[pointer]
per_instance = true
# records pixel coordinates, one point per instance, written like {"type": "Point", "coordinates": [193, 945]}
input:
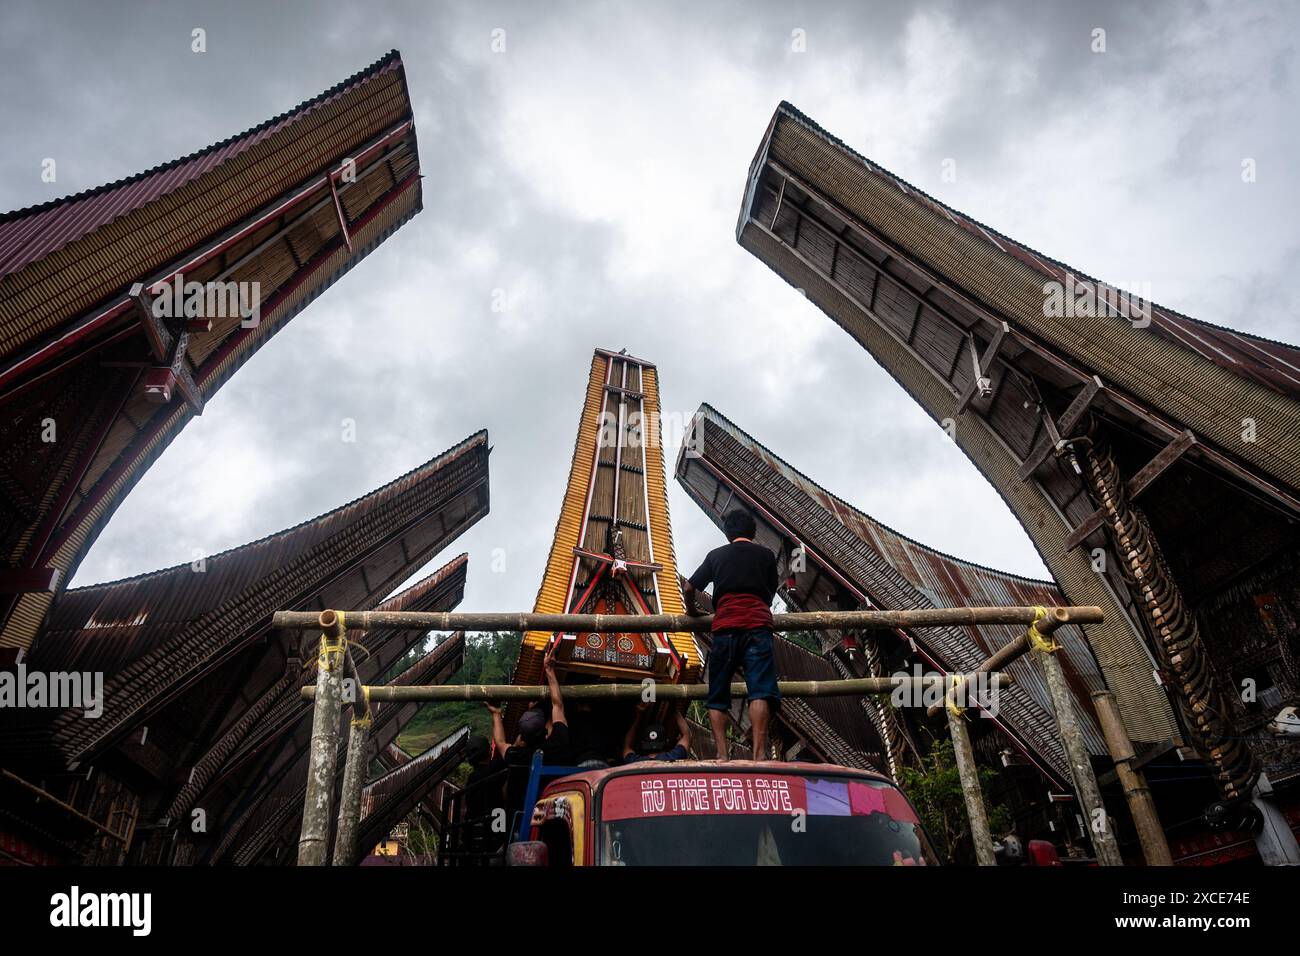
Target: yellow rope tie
{"type": "Point", "coordinates": [364, 722]}
{"type": "Point", "coordinates": [1038, 641]}
{"type": "Point", "coordinates": [951, 702]}
{"type": "Point", "coordinates": [331, 650]}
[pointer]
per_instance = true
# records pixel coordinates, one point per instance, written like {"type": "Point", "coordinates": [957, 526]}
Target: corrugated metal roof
{"type": "Point", "coordinates": [393, 795]}
{"type": "Point", "coordinates": [896, 572]}
{"type": "Point", "coordinates": [177, 625]}
{"type": "Point", "coordinates": [853, 741]}
{"type": "Point", "coordinates": [104, 627]}
{"type": "Point", "coordinates": [28, 235]}
{"type": "Point", "coordinates": [262, 794]}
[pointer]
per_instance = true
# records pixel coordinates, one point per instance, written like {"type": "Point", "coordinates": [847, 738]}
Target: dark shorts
{"type": "Point", "coordinates": [748, 651]}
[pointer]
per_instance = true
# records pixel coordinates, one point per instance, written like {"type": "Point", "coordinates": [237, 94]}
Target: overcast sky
{"type": "Point", "coordinates": [594, 170]}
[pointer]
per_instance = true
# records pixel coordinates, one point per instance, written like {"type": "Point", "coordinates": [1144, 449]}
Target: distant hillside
{"type": "Point", "coordinates": [489, 659]}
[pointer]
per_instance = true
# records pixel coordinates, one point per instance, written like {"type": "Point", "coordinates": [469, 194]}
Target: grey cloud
{"type": "Point", "coordinates": [408, 345]}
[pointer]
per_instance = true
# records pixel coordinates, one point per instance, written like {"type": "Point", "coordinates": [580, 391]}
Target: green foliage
{"type": "Point", "coordinates": [936, 792]}
{"type": "Point", "coordinates": [805, 639]}
{"type": "Point", "coordinates": [489, 659]}
{"type": "Point", "coordinates": [421, 838]}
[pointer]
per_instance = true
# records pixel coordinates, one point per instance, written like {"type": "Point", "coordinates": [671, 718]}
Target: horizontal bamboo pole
{"type": "Point", "coordinates": [858, 687]}
{"type": "Point", "coordinates": [67, 808]}
{"type": "Point", "coordinates": [655, 623]}
{"type": "Point", "coordinates": [1008, 653]}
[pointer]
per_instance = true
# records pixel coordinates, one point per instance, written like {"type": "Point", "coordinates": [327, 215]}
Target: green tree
{"type": "Point", "coordinates": [936, 792]}
{"type": "Point", "coordinates": [805, 639]}
{"type": "Point", "coordinates": [489, 659]}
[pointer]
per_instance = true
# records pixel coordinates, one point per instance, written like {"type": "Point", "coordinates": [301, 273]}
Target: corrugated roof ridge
{"type": "Point", "coordinates": [383, 62]}
{"type": "Point", "coordinates": [714, 413]}
{"type": "Point", "coordinates": [416, 763]}
{"type": "Point", "coordinates": [479, 437]}
{"type": "Point", "coordinates": [789, 109]}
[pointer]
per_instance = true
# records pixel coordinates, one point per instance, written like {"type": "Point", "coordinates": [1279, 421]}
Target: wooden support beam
{"type": "Point", "coordinates": [29, 580]}
{"type": "Point", "coordinates": [1040, 453]}
{"type": "Point", "coordinates": [1097, 822]}
{"type": "Point", "coordinates": [1085, 530]}
{"type": "Point", "coordinates": [1077, 408]}
{"type": "Point", "coordinates": [338, 207]}
{"type": "Point", "coordinates": [1142, 807]}
{"type": "Point", "coordinates": [355, 767]}
{"type": "Point", "coordinates": [620, 390]}
{"type": "Point", "coordinates": [1158, 465]}
{"type": "Point", "coordinates": [155, 330]}
{"type": "Point", "coordinates": [982, 366]}
{"type": "Point", "coordinates": [780, 198]}
{"type": "Point", "coordinates": [180, 367]}
{"type": "Point", "coordinates": [606, 559]}
{"type": "Point", "coordinates": [158, 381]}
{"type": "Point", "coordinates": [1139, 483]}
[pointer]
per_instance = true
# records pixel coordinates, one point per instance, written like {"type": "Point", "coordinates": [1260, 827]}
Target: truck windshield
{"type": "Point", "coordinates": [757, 819]}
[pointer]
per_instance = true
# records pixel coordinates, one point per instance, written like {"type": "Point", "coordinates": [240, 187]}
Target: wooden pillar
{"type": "Point", "coordinates": [1104, 847]}
{"type": "Point", "coordinates": [970, 788]}
{"type": "Point", "coordinates": [354, 777]}
{"type": "Point", "coordinates": [1155, 848]}
{"type": "Point", "coordinates": [313, 842]}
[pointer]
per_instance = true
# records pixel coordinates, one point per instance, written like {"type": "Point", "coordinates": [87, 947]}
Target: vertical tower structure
{"type": "Point", "coordinates": [613, 546]}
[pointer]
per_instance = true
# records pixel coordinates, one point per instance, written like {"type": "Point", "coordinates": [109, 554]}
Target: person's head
{"type": "Point", "coordinates": [654, 739]}
{"type": "Point", "coordinates": [477, 749]}
{"type": "Point", "coordinates": [738, 524]}
{"type": "Point", "coordinates": [532, 727]}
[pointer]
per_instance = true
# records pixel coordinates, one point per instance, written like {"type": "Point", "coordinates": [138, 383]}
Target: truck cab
{"type": "Point", "coordinates": [706, 813]}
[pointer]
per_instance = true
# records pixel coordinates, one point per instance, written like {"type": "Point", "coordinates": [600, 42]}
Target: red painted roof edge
{"type": "Point", "coordinates": [388, 60]}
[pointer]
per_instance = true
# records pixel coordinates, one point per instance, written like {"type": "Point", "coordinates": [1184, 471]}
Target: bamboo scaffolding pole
{"type": "Point", "coordinates": [1096, 819]}
{"type": "Point", "coordinates": [856, 687]}
{"type": "Point", "coordinates": [313, 841]}
{"type": "Point", "coordinates": [675, 623]}
{"type": "Point", "coordinates": [971, 791]}
{"type": "Point", "coordinates": [354, 777]}
{"type": "Point", "coordinates": [1155, 848]}
{"type": "Point", "coordinates": [1008, 653]}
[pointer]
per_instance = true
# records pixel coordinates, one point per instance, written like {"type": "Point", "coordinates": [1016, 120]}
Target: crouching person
{"type": "Point", "coordinates": [653, 742]}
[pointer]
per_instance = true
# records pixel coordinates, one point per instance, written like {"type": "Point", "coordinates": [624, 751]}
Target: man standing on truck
{"type": "Point", "coordinates": [743, 575]}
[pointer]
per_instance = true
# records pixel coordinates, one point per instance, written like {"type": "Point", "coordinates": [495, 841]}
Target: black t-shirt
{"type": "Point", "coordinates": [585, 739]}
{"type": "Point", "coordinates": [744, 581]}
{"type": "Point", "coordinates": [480, 801]}
{"type": "Point", "coordinates": [556, 752]}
